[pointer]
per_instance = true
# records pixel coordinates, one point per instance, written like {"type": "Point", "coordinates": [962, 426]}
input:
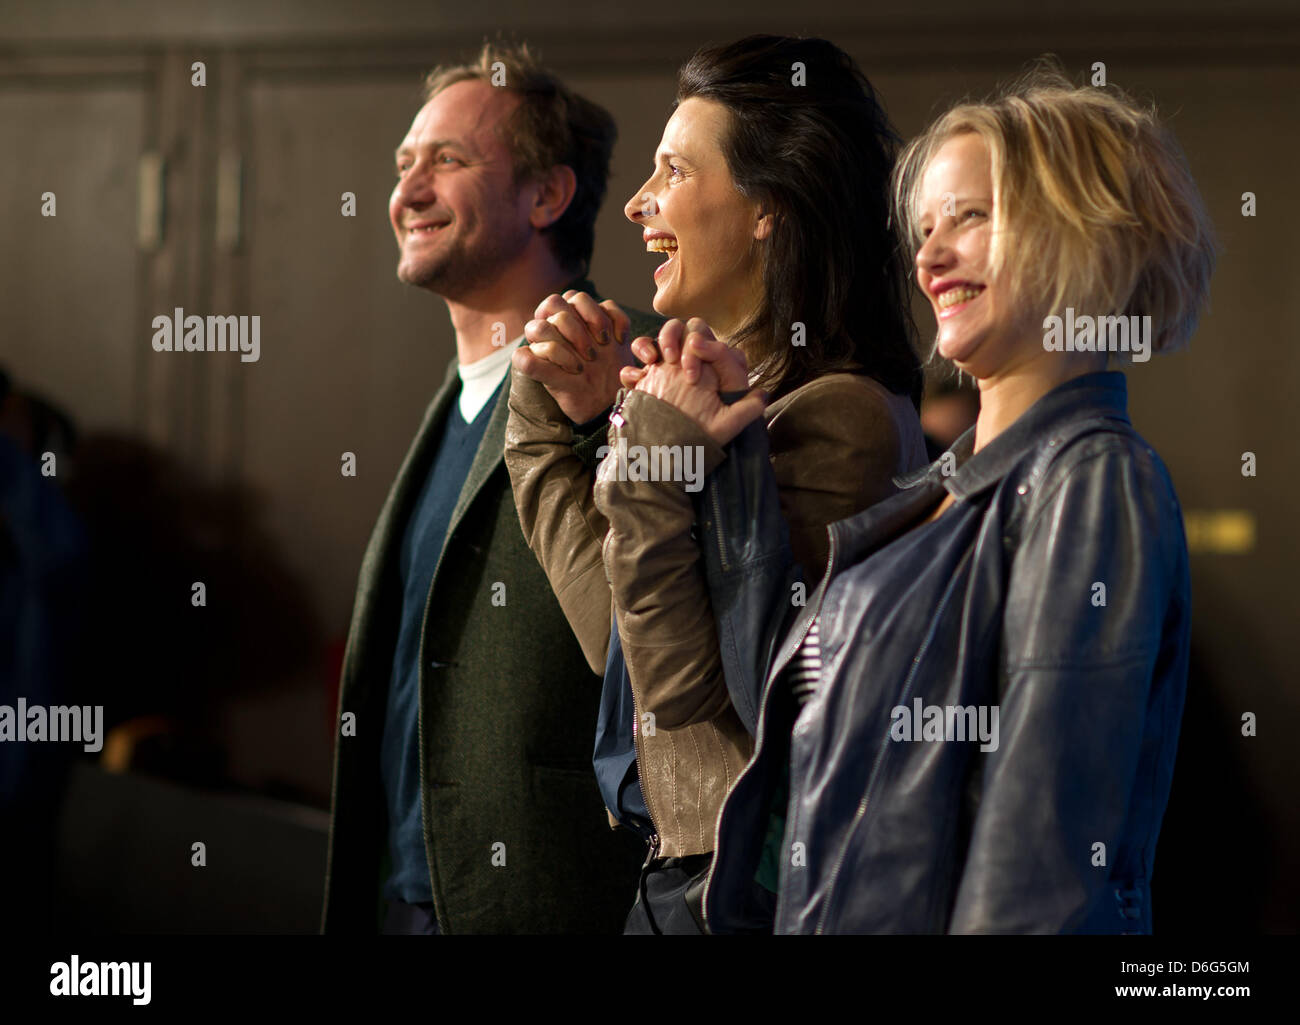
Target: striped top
{"type": "Point", "coordinates": [802, 675]}
{"type": "Point", "coordinates": [804, 670]}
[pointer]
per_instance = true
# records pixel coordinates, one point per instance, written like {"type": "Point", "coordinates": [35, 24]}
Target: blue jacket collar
{"type": "Point", "coordinates": [1090, 395]}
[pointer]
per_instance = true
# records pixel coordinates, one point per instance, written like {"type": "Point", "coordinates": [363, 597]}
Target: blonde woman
{"type": "Point", "coordinates": [971, 727]}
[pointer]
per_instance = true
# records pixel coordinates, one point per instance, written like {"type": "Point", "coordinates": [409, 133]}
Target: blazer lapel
{"type": "Point", "coordinates": [491, 450]}
{"type": "Point", "coordinates": [377, 562]}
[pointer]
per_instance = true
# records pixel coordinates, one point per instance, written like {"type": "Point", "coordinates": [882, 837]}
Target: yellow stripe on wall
{"type": "Point", "coordinates": [1219, 531]}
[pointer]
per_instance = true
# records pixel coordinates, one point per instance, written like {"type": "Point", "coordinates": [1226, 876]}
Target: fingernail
{"type": "Point", "coordinates": [591, 352]}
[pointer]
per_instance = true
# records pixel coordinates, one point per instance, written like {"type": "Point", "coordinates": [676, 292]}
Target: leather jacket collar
{"type": "Point", "coordinates": [1104, 394]}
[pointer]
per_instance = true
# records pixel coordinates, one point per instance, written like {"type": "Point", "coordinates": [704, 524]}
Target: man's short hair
{"type": "Point", "coordinates": [552, 125]}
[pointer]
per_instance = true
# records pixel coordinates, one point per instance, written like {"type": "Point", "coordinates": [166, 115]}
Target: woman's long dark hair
{"type": "Point", "coordinates": [809, 142]}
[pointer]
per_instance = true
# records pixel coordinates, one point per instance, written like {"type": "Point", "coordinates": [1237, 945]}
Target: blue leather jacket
{"type": "Point", "coordinates": [1050, 606]}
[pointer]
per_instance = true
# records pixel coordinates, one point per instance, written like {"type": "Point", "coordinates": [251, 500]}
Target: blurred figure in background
{"type": "Point", "coordinates": [948, 411]}
{"type": "Point", "coordinates": [42, 582]}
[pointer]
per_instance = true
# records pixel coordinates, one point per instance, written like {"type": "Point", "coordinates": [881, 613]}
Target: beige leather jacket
{"type": "Point", "coordinates": [624, 547]}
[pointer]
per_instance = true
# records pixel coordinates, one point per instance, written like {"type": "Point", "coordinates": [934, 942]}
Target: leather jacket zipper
{"type": "Point", "coordinates": [877, 761]}
{"type": "Point", "coordinates": [640, 782]}
{"type": "Point", "coordinates": [760, 727]}
{"type": "Point", "coordinates": [717, 521]}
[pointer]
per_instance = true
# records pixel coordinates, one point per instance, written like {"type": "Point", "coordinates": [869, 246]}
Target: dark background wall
{"type": "Point", "coordinates": [236, 464]}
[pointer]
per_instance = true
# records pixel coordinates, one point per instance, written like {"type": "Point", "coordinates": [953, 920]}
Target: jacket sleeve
{"type": "Point", "coordinates": [751, 572]}
{"type": "Point", "coordinates": [552, 471]}
{"type": "Point", "coordinates": [830, 445]}
{"type": "Point", "coordinates": [1096, 610]}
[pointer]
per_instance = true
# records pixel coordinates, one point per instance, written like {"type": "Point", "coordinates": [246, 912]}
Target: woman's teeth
{"type": "Point", "coordinates": [953, 296]}
{"type": "Point", "coordinates": [661, 245]}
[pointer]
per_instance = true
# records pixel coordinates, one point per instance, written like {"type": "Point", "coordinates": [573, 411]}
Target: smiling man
{"type": "Point", "coordinates": [464, 799]}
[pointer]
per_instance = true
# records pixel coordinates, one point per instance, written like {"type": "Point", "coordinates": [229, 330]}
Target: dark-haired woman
{"type": "Point", "coordinates": [769, 200]}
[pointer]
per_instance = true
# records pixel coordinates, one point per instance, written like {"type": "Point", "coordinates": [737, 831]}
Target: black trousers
{"type": "Point", "coordinates": [670, 900]}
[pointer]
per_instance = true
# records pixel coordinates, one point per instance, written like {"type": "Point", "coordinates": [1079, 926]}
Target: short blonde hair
{"type": "Point", "coordinates": [1094, 206]}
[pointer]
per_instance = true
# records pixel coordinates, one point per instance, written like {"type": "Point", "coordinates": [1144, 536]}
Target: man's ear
{"type": "Point", "coordinates": [763, 228]}
{"type": "Point", "coordinates": [552, 196]}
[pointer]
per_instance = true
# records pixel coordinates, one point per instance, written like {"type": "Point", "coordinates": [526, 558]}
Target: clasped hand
{"type": "Point", "coordinates": [576, 349]}
{"type": "Point", "coordinates": [689, 369]}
